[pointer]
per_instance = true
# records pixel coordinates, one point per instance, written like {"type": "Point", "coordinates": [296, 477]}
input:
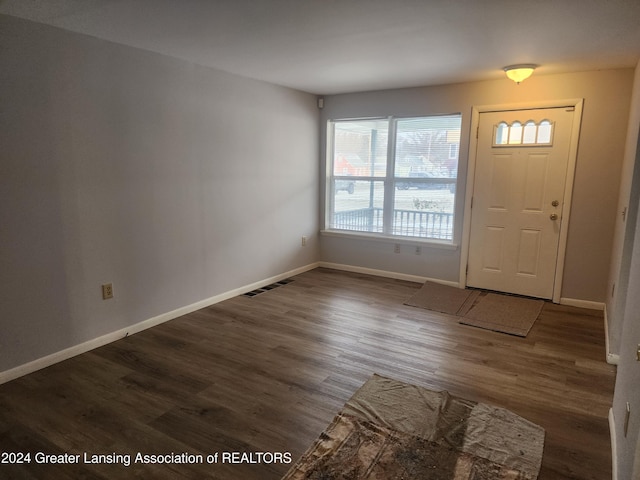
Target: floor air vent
{"type": "Point", "coordinates": [264, 289]}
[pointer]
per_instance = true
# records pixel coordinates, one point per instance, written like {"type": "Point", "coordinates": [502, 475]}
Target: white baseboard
{"type": "Point", "coordinates": [614, 447]}
{"type": "Point", "coordinates": [386, 274]}
{"type": "Point", "coordinates": [70, 352]}
{"type": "Point", "coordinates": [612, 358]}
{"type": "Point", "coordinates": [574, 302]}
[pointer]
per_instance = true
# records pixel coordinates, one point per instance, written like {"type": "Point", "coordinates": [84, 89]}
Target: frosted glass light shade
{"type": "Point", "coordinates": [518, 73]}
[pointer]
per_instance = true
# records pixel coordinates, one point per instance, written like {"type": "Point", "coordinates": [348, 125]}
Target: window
{"type": "Point", "coordinates": [393, 177]}
{"type": "Point", "coordinates": [529, 134]}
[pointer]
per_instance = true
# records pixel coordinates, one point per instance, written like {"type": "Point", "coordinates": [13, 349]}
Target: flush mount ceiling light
{"type": "Point", "coordinates": [521, 72]}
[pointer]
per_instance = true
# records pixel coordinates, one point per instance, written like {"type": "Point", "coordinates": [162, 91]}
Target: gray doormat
{"type": "Point", "coordinates": [504, 313]}
{"type": "Point", "coordinates": [443, 298]}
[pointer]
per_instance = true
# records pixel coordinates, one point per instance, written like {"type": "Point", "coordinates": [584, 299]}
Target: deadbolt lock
{"type": "Point", "coordinates": [553, 216]}
{"type": "Point", "coordinates": [555, 203]}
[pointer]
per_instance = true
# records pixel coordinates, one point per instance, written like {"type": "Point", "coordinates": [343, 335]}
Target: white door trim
{"type": "Point", "coordinates": [577, 103]}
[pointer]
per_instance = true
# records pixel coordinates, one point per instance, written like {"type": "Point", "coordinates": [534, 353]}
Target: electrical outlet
{"type": "Point", "coordinates": [396, 248]}
{"type": "Point", "coordinates": [107, 291]}
{"type": "Point", "coordinates": [304, 241]}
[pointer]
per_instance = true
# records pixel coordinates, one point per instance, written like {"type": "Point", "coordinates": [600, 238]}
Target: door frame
{"type": "Point", "coordinates": [577, 104]}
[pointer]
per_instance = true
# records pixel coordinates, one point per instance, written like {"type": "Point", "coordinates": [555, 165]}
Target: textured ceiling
{"type": "Point", "coordinates": [337, 46]}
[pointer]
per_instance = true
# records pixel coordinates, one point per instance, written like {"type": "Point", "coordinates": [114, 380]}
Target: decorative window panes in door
{"type": "Point", "coordinates": [529, 134]}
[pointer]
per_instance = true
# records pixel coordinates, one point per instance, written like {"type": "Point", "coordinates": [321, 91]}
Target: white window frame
{"type": "Point", "coordinates": [389, 181]}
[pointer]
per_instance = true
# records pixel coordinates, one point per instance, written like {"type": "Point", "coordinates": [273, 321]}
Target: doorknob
{"type": "Point", "coordinates": [553, 216]}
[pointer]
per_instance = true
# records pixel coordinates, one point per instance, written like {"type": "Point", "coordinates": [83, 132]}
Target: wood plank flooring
{"type": "Point", "coordinates": [268, 373]}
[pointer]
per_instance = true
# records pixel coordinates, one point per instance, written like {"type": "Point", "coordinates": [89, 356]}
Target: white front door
{"type": "Point", "coordinates": [518, 196]}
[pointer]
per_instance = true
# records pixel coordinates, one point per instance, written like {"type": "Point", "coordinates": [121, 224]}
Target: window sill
{"type": "Point", "coordinates": [378, 237]}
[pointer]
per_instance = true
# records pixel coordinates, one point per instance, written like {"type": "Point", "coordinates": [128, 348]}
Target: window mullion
{"type": "Point", "coordinates": [389, 189]}
{"type": "Point", "coordinates": [329, 174]}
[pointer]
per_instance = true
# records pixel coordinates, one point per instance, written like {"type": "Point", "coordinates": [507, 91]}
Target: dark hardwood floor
{"type": "Point", "coordinates": [268, 373]}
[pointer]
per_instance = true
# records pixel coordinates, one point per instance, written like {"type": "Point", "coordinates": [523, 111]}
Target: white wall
{"type": "Point", "coordinates": [627, 387]}
{"type": "Point", "coordinates": [625, 226]}
{"type": "Point", "coordinates": [624, 327]}
{"type": "Point", "coordinates": [173, 181]}
{"type": "Point", "coordinates": [606, 97]}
